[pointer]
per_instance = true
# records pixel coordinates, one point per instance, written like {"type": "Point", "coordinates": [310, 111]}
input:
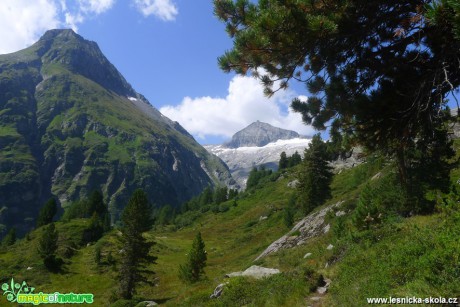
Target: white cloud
{"type": "Point", "coordinates": [96, 6]}
{"type": "Point", "coordinates": [244, 104]}
{"type": "Point", "coordinates": [73, 20]}
{"type": "Point", "coordinates": [23, 21]}
{"type": "Point", "coordinates": [163, 9]}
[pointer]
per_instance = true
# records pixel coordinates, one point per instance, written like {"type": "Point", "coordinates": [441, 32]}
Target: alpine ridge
{"type": "Point", "coordinates": [259, 144]}
{"type": "Point", "coordinates": [70, 123]}
{"type": "Point", "coordinates": [259, 134]}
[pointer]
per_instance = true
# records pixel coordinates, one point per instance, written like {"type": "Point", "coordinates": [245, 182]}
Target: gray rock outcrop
{"type": "Point", "coordinates": [259, 134]}
{"type": "Point", "coordinates": [311, 226]}
{"type": "Point", "coordinates": [256, 272]}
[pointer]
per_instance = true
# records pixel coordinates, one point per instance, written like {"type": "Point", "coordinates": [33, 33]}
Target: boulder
{"type": "Point", "coordinates": [218, 291]}
{"type": "Point", "coordinates": [309, 227]}
{"type": "Point", "coordinates": [256, 272]}
{"type": "Point", "coordinates": [147, 304]}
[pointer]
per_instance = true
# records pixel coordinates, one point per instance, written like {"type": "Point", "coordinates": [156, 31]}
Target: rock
{"type": "Point", "coordinates": [327, 228]}
{"type": "Point", "coordinates": [259, 134]}
{"type": "Point", "coordinates": [29, 268]}
{"type": "Point", "coordinates": [262, 218]}
{"type": "Point", "coordinates": [307, 255]}
{"type": "Point", "coordinates": [321, 290]}
{"type": "Point", "coordinates": [329, 247]}
{"type": "Point", "coordinates": [315, 298]}
{"type": "Point", "coordinates": [256, 272]}
{"type": "Point", "coordinates": [376, 176]}
{"type": "Point", "coordinates": [218, 291]}
{"type": "Point", "coordinates": [309, 227]}
{"type": "Point", "coordinates": [354, 158]}
{"type": "Point", "coordinates": [148, 303]}
{"type": "Point", "coordinates": [340, 213]}
{"type": "Point", "coordinates": [233, 274]}
{"type": "Point", "coordinates": [293, 184]}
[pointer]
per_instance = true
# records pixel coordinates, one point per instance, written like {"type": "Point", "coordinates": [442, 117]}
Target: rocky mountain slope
{"type": "Point", "coordinates": [70, 123]}
{"type": "Point", "coordinates": [259, 134]}
{"type": "Point", "coordinates": [259, 144]}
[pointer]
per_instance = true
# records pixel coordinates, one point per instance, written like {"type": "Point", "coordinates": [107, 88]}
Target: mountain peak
{"type": "Point", "coordinates": [66, 50]}
{"type": "Point", "coordinates": [65, 33]}
{"type": "Point", "coordinates": [259, 134]}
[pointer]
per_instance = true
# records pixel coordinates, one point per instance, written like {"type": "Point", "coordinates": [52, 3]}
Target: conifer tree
{"type": "Point", "coordinates": [96, 204]}
{"type": "Point", "coordinates": [289, 211]}
{"type": "Point", "coordinates": [384, 82]}
{"type": "Point", "coordinates": [47, 213]}
{"type": "Point", "coordinates": [193, 269]}
{"type": "Point", "coordinates": [136, 218]}
{"type": "Point", "coordinates": [47, 246]}
{"type": "Point", "coordinates": [315, 176]}
{"type": "Point", "coordinates": [294, 159]}
{"type": "Point", "coordinates": [10, 238]}
{"type": "Point", "coordinates": [283, 163]}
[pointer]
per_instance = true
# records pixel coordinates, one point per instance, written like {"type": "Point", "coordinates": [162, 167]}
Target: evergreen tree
{"type": "Point", "coordinates": [367, 212]}
{"type": "Point", "coordinates": [136, 218]}
{"type": "Point", "coordinates": [289, 211]}
{"type": "Point", "coordinates": [47, 213]}
{"type": "Point", "coordinates": [255, 176]}
{"type": "Point", "coordinates": [294, 159]}
{"type": "Point", "coordinates": [10, 238]}
{"type": "Point", "coordinates": [315, 176]}
{"type": "Point", "coordinates": [97, 254]}
{"type": "Point", "coordinates": [106, 224]}
{"type": "Point", "coordinates": [165, 215]}
{"type": "Point", "coordinates": [193, 269]}
{"type": "Point", "coordinates": [384, 83]}
{"type": "Point", "coordinates": [47, 246]}
{"type": "Point", "coordinates": [232, 193]}
{"type": "Point", "coordinates": [206, 197]}
{"type": "Point", "coordinates": [283, 163]}
{"type": "Point", "coordinates": [96, 204]}
{"type": "Point", "coordinates": [220, 195]}
{"type": "Point", "coordinates": [94, 230]}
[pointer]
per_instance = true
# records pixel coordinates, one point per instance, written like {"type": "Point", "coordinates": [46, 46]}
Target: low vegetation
{"type": "Point", "coordinates": [378, 250]}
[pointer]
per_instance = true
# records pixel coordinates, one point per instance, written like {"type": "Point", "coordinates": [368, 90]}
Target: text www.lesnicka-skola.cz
{"type": "Point", "coordinates": [412, 300]}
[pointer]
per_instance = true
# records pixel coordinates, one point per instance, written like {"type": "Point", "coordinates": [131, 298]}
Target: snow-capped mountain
{"type": "Point", "coordinates": [241, 160]}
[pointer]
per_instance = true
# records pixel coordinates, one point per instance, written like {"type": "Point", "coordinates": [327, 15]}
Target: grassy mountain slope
{"type": "Point", "coordinates": [415, 256]}
{"type": "Point", "coordinates": [70, 123]}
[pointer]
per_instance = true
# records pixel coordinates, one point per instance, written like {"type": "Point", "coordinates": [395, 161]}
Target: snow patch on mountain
{"type": "Point", "coordinates": [242, 159]}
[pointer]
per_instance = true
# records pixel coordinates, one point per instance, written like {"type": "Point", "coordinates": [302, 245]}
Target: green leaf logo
{"type": "Point", "coordinates": [14, 289]}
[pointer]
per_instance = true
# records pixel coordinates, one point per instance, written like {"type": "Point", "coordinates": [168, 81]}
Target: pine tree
{"type": "Point", "coordinates": [315, 176]}
{"type": "Point", "coordinates": [193, 269]}
{"type": "Point", "coordinates": [385, 82]}
{"type": "Point", "coordinates": [10, 238]}
{"type": "Point", "coordinates": [366, 212]}
{"type": "Point", "coordinates": [136, 218]}
{"type": "Point", "coordinates": [289, 211]}
{"type": "Point", "coordinates": [94, 230]}
{"type": "Point", "coordinates": [206, 197]}
{"type": "Point", "coordinates": [283, 163]}
{"type": "Point", "coordinates": [96, 204]}
{"type": "Point", "coordinates": [47, 246]}
{"type": "Point", "coordinates": [294, 160]}
{"type": "Point", "coordinates": [47, 213]}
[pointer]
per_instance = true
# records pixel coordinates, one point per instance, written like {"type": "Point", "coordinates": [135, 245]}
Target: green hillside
{"type": "Point", "coordinates": [71, 124]}
{"type": "Point", "coordinates": [399, 257]}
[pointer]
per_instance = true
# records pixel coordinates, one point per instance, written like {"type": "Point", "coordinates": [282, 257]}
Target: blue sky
{"type": "Point", "coordinates": [167, 50]}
